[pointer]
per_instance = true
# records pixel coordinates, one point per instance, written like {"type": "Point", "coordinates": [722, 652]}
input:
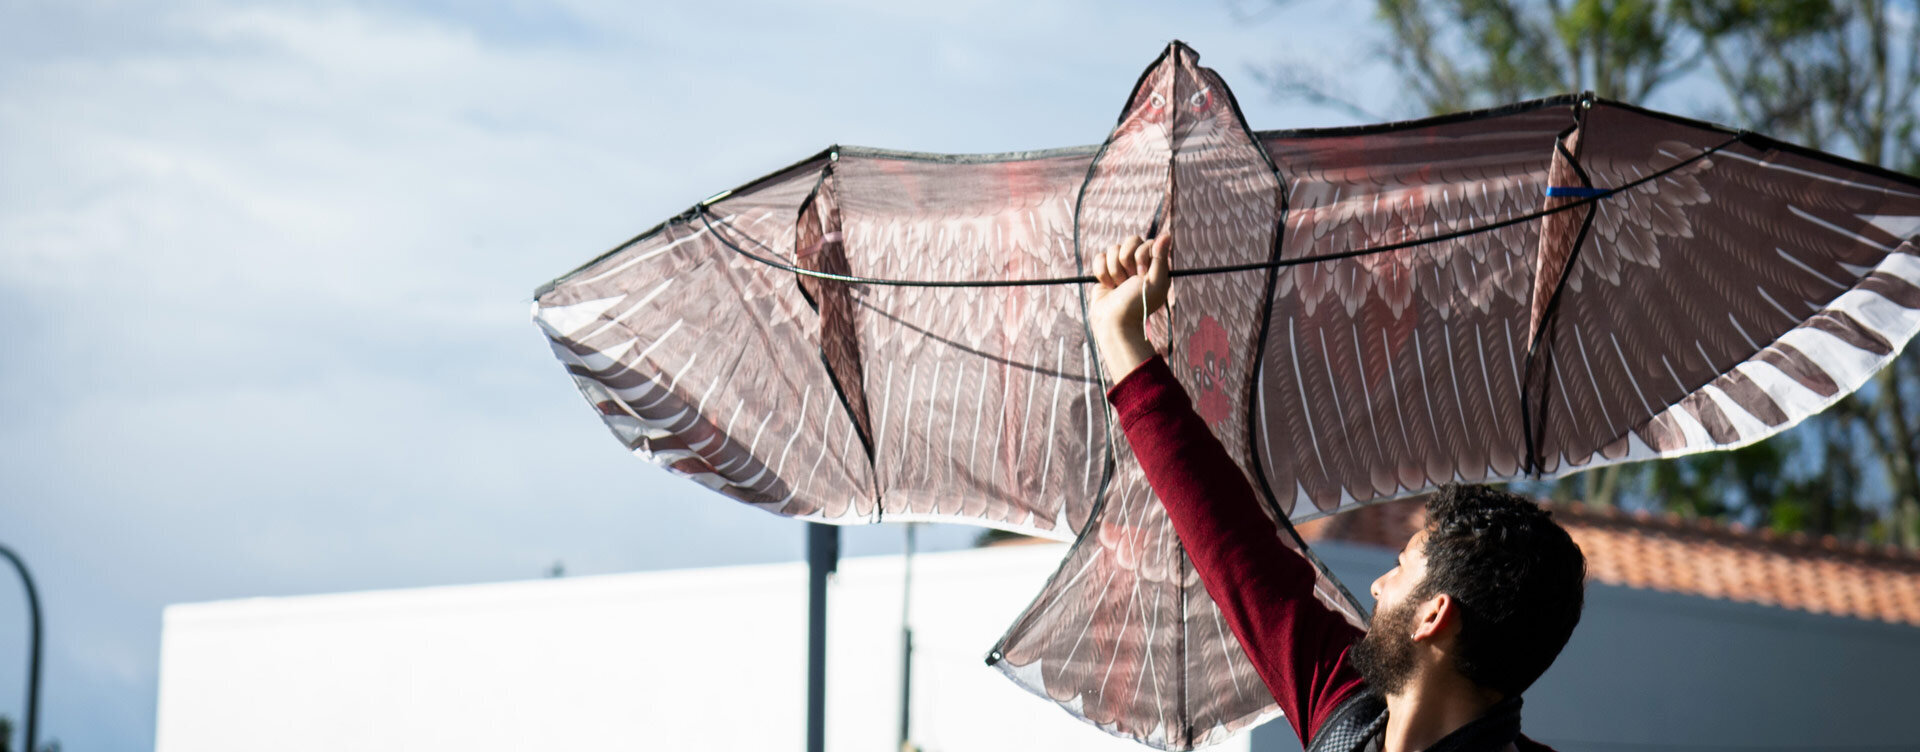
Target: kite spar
{"type": "Point", "coordinates": [1362, 314]}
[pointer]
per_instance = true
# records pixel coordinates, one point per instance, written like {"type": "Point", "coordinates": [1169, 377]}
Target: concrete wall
{"type": "Point", "coordinates": [1659, 672]}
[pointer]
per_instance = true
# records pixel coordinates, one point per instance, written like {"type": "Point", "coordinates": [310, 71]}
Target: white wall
{"type": "Point", "coordinates": [684, 660]}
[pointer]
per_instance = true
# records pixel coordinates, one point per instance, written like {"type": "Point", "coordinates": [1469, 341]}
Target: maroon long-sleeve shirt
{"type": "Point", "coordinates": [1264, 588]}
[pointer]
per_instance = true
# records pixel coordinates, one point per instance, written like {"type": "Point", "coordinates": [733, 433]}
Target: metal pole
{"type": "Point", "coordinates": [823, 556]}
{"type": "Point", "coordinates": [33, 661]}
{"type": "Point", "coordinates": [906, 643]}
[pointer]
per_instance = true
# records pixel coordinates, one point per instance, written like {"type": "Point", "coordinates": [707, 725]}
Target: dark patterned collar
{"type": "Point", "coordinates": [1357, 726]}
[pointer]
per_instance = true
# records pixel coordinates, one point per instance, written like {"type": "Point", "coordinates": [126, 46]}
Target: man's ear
{"type": "Point", "coordinates": [1438, 616]}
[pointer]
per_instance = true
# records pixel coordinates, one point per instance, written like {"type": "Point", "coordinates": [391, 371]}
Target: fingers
{"type": "Point", "coordinates": [1100, 271]}
{"type": "Point", "coordinates": [1128, 251]}
{"type": "Point", "coordinates": [1157, 264]}
{"type": "Point", "coordinates": [1131, 257]}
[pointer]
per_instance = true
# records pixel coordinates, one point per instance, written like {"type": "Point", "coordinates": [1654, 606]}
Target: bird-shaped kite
{"type": "Point", "coordinates": [1360, 314]}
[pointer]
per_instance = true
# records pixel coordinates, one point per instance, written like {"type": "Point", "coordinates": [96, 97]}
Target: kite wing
{"type": "Point", "coordinates": [1697, 289]}
{"type": "Point", "coordinates": [855, 404]}
{"type": "Point", "coordinates": [1521, 292]}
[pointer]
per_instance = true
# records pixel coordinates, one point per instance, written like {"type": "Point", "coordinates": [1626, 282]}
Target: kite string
{"type": "Point", "coordinates": [1146, 311]}
{"type": "Point", "coordinates": [705, 218]}
{"type": "Point", "coordinates": [1146, 316]}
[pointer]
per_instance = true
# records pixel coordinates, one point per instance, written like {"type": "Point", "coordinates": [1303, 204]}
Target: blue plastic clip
{"type": "Point", "coordinates": [1574, 191]}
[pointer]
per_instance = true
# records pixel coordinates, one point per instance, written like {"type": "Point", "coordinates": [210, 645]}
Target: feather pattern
{"type": "Point", "coordinates": [1181, 158]}
{"type": "Point", "coordinates": [1725, 289]}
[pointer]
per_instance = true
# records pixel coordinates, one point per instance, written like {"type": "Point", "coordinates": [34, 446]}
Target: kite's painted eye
{"type": "Point", "coordinates": [1156, 101]}
{"type": "Point", "coordinates": [1201, 99]}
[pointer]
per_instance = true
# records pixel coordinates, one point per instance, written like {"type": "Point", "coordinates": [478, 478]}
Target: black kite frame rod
{"type": "Point", "coordinates": [705, 219]}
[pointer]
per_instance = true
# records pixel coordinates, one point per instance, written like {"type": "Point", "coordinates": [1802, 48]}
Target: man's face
{"type": "Point", "coordinates": [1390, 589]}
{"type": "Point", "coordinates": [1385, 656]}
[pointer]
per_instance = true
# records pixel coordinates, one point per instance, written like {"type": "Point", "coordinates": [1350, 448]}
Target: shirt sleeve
{"type": "Point", "coordinates": [1263, 586]}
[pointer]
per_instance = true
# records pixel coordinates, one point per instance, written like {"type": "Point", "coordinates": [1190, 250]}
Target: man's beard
{"type": "Point", "coordinates": [1384, 657]}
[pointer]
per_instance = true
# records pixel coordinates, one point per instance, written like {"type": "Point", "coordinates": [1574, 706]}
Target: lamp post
{"type": "Point", "coordinates": [823, 556]}
{"type": "Point", "coordinates": [906, 644]}
{"type": "Point", "coordinates": [33, 660]}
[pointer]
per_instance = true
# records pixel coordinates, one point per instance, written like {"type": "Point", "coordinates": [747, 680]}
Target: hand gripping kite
{"type": "Point", "coordinates": [1361, 314]}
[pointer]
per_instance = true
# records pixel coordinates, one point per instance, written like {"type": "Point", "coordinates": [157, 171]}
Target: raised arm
{"type": "Point", "coordinates": [1263, 587]}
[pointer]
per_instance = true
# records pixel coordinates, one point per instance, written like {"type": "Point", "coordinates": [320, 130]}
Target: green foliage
{"type": "Point", "coordinates": [6, 737]}
{"type": "Point", "coordinates": [1835, 74]}
{"type": "Point", "coordinates": [1463, 54]}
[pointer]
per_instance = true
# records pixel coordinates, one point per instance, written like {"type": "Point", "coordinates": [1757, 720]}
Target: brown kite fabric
{"type": "Point", "coordinates": [1360, 314]}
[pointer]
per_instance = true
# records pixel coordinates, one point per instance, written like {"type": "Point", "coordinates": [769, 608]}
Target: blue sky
{"type": "Point", "coordinates": [265, 272]}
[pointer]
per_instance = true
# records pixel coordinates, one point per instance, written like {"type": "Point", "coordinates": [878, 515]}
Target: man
{"type": "Point", "coordinates": [1481, 602]}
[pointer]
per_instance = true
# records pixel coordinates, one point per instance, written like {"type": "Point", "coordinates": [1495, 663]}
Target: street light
{"type": "Point", "coordinates": [823, 557]}
{"type": "Point", "coordinates": [33, 660]}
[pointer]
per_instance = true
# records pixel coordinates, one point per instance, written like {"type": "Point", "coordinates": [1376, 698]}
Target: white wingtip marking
{"type": "Point", "coordinates": [1842, 231]}
{"type": "Point", "coordinates": [1747, 426]}
{"type": "Point", "coordinates": [1637, 449]}
{"type": "Point", "coordinates": [1901, 265]}
{"type": "Point", "coordinates": [1893, 322]}
{"type": "Point", "coordinates": [1796, 400]}
{"type": "Point", "coordinates": [564, 320]}
{"type": "Point", "coordinates": [1690, 428]}
{"type": "Point", "coordinates": [1895, 225]}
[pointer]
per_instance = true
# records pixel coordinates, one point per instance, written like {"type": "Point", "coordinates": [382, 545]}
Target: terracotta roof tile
{"type": "Point", "coordinates": [1696, 557]}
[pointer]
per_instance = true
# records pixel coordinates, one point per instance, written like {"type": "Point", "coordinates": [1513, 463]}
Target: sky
{"type": "Point", "coordinates": [265, 272]}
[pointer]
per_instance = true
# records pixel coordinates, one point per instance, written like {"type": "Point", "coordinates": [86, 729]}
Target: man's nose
{"type": "Point", "coordinates": [1374, 589]}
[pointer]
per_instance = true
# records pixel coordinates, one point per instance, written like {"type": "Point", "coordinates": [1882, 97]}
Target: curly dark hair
{"type": "Point", "coordinates": [1518, 577]}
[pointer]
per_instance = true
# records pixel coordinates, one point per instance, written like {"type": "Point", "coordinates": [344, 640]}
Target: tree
{"type": "Point", "coordinates": [6, 737]}
{"type": "Point", "coordinates": [1839, 75]}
